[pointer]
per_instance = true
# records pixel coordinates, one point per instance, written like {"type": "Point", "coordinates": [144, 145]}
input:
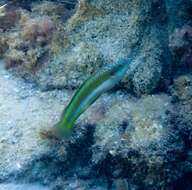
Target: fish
{"type": "Point", "coordinates": [89, 92]}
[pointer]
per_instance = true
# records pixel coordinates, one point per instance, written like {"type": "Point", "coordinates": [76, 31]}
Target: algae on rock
{"type": "Point", "coordinates": [111, 28]}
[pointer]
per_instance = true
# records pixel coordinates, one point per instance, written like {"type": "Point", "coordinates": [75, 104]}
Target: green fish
{"type": "Point", "coordinates": [89, 92]}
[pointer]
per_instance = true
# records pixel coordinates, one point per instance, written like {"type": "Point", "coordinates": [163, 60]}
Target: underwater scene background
{"type": "Point", "coordinates": [137, 135]}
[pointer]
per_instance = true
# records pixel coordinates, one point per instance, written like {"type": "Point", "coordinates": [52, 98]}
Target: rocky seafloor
{"type": "Point", "coordinates": [138, 136]}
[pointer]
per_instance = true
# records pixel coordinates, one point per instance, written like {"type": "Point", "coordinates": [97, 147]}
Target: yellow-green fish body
{"type": "Point", "coordinates": [88, 93]}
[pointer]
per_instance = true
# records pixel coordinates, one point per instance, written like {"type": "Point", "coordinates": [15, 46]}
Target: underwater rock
{"type": "Point", "coordinates": [148, 72]}
{"type": "Point", "coordinates": [182, 97]}
{"type": "Point", "coordinates": [181, 49]}
{"type": "Point", "coordinates": [28, 45]}
{"type": "Point", "coordinates": [3, 45]}
{"type": "Point", "coordinates": [181, 119]}
{"type": "Point", "coordinates": [136, 141]}
{"type": "Point", "coordinates": [112, 29]}
{"type": "Point", "coordinates": [179, 27]}
{"type": "Point", "coordinates": [55, 10]}
{"type": "Point", "coordinates": [8, 19]}
{"type": "Point", "coordinates": [38, 30]}
{"type": "Point", "coordinates": [121, 141]}
{"type": "Point", "coordinates": [178, 13]}
{"type": "Point", "coordinates": [119, 137]}
{"type": "Point", "coordinates": [35, 36]}
{"type": "Point", "coordinates": [21, 122]}
{"type": "Point", "coordinates": [72, 69]}
{"type": "Point", "coordinates": [74, 183]}
{"type": "Point", "coordinates": [28, 158]}
{"type": "Point", "coordinates": [182, 88]}
{"type": "Point", "coordinates": [12, 186]}
{"type": "Point", "coordinates": [14, 58]}
{"type": "Point", "coordinates": [114, 34]}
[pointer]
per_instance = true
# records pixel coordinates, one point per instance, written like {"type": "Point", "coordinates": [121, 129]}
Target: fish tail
{"type": "Point", "coordinates": [63, 130]}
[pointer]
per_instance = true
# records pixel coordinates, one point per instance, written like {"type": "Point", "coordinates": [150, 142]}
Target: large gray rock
{"type": "Point", "coordinates": [100, 33]}
{"type": "Point", "coordinates": [24, 112]}
{"type": "Point", "coordinates": [97, 34]}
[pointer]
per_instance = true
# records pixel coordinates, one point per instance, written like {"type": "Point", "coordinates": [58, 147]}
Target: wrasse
{"type": "Point", "coordinates": [89, 92]}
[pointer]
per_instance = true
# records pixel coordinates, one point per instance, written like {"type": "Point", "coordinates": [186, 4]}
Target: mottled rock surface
{"type": "Point", "coordinates": [143, 144]}
{"type": "Point", "coordinates": [22, 110]}
{"type": "Point", "coordinates": [112, 28]}
{"type": "Point", "coordinates": [97, 34]}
